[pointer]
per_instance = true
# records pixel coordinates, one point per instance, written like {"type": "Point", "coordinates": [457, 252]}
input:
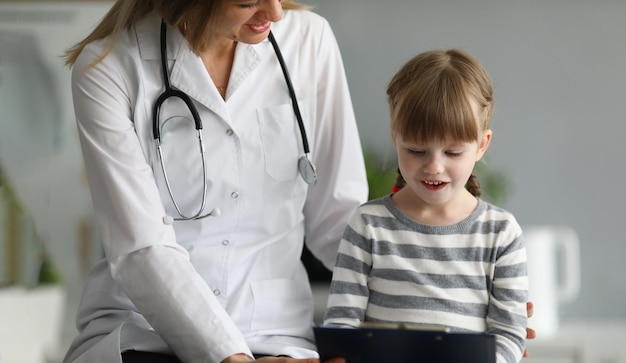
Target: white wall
{"type": "Point", "coordinates": [559, 71]}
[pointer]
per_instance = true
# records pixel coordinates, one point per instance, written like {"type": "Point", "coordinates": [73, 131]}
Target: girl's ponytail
{"type": "Point", "coordinates": [473, 186]}
{"type": "Point", "coordinates": [400, 183]}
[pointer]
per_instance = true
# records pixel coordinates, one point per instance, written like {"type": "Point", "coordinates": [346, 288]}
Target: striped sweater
{"type": "Point", "coordinates": [470, 276]}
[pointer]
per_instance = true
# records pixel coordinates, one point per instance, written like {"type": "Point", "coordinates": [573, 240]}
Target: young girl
{"type": "Point", "coordinates": [432, 252]}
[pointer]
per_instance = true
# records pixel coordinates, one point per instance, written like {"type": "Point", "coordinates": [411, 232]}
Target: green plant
{"type": "Point", "coordinates": [493, 183]}
{"type": "Point", "coordinates": [381, 174]}
{"type": "Point", "coordinates": [48, 274]}
{"type": "Point", "coordinates": [16, 236]}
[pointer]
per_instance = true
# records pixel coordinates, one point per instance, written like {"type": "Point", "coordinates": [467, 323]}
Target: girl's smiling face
{"type": "Point", "coordinates": [436, 172]}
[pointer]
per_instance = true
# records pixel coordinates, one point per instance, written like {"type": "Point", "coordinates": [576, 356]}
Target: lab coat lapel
{"type": "Point", "coordinates": [187, 73]}
{"type": "Point", "coordinates": [190, 76]}
{"type": "Point", "coordinates": [247, 58]}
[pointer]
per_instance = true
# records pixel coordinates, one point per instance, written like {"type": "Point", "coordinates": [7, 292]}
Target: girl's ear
{"type": "Point", "coordinates": [483, 144]}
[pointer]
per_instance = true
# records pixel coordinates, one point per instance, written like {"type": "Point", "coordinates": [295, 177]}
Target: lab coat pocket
{"type": "Point", "coordinates": [280, 139]}
{"type": "Point", "coordinates": [281, 304]}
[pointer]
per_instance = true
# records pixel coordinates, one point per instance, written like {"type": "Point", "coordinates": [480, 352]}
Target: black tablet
{"type": "Point", "coordinates": [401, 345]}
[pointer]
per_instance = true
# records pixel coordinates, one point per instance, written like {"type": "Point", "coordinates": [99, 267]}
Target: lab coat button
{"type": "Point", "coordinates": [225, 242]}
{"type": "Point", "coordinates": [217, 292]}
{"type": "Point", "coordinates": [230, 132]}
{"type": "Point", "coordinates": [234, 195]}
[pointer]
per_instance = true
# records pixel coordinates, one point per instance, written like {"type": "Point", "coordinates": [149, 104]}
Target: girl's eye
{"type": "Point", "coordinates": [416, 152]}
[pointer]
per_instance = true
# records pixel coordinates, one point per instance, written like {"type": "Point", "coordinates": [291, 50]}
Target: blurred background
{"type": "Point", "coordinates": [556, 160]}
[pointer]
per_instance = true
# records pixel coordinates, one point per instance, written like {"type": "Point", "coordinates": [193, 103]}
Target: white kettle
{"type": "Point", "coordinates": [553, 274]}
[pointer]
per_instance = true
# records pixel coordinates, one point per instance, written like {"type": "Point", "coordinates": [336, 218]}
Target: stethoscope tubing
{"type": "Point", "coordinates": [305, 166]}
{"type": "Point", "coordinates": [168, 93]}
{"type": "Point", "coordinates": [292, 92]}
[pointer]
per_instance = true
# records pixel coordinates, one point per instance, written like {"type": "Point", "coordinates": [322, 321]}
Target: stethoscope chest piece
{"type": "Point", "coordinates": [307, 170]}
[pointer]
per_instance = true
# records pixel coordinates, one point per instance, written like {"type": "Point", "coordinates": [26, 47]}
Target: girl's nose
{"type": "Point", "coordinates": [272, 10]}
{"type": "Point", "coordinates": [433, 165]}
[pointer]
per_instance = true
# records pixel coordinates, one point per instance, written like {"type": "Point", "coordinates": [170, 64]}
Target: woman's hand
{"type": "Point", "coordinates": [530, 332]}
{"type": "Point", "coordinates": [237, 358]}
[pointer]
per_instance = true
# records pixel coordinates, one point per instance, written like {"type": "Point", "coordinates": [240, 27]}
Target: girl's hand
{"type": "Point", "coordinates": [530, 332]}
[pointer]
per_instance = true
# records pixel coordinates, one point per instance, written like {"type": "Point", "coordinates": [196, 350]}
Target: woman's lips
{"type": "Point", "coordinates": [259, 28]}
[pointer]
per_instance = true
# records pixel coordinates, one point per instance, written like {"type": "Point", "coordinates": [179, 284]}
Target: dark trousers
{"type": "Point", "coordinates": [133, 356]}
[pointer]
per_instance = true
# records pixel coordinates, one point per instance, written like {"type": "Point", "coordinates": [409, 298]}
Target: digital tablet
{"type": "Point", "coordinates": [404, 344]}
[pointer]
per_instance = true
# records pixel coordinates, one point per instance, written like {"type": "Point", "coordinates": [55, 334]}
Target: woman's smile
{"type": "Point", "coordinates": [259, 28]}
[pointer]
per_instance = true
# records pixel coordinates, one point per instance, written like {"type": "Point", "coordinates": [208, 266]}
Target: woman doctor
{"type": "Point", "coordinates": [203, 242]}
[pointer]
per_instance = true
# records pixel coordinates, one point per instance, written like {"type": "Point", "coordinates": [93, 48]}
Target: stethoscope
{"type": "Point", "coordinates": [305, 165]}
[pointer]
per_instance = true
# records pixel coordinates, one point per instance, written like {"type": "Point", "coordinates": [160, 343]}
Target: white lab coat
{"type": "Point", "coordinates": [234, 283]}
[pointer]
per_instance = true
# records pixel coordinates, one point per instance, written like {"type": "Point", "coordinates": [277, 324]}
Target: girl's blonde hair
{"type": "Point", "coordinates": [197, 16]}
{"type": "Point", "coordinates": [431, 96]}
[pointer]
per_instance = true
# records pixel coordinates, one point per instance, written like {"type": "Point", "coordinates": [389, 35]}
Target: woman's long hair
{"type": "Point", "coordinates": [197, 16]}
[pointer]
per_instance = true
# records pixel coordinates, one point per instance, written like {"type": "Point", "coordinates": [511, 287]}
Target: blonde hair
{"type": "Point", "coordinates": [198, 16]}
{"type": "Point", "coordinates": [430, 98]}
